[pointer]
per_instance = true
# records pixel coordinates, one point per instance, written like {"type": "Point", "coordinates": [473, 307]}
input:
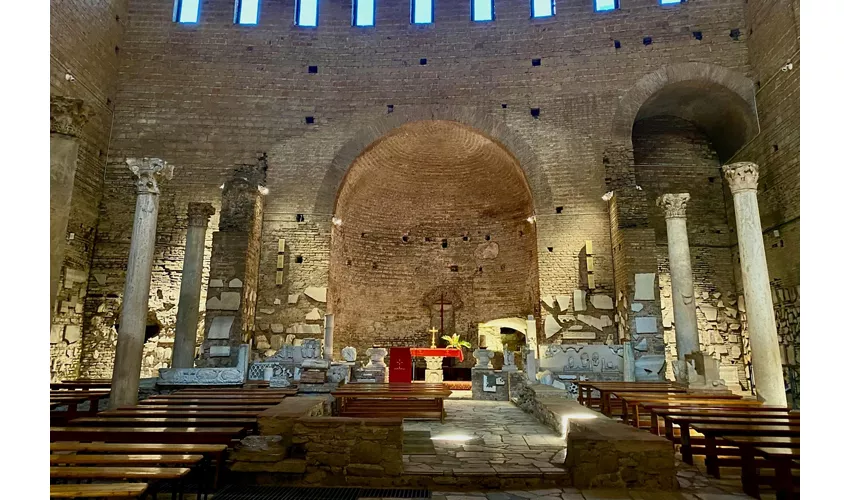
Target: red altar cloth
{"type": "Point", "coordinates": [401, 366]}
{"type": "Point", "coordinates": [444, 352]}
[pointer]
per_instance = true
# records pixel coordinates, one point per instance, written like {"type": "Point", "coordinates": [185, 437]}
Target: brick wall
{"type": "Point", "coordinates": [85, 40]}
{"type": "Point", "coordinates": [209, 96]}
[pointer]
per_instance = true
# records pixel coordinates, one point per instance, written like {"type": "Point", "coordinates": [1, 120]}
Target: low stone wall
{"type": "Point", "coordinates": [349, 451]}
{"type": "Point", "coordinates": [601, 452]}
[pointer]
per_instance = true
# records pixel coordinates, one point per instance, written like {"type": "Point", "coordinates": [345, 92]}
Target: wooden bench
{"type": "Point", "coordinates": [212, 402]}
{"type": "Point", "coordinates": [685, 421]}
{"type": "Point", "coordinates": [167, 412]}
{"type": "Point", "coordinates": [631, 402]}
{"type": "Point", "coordinates": [658, 411]}
{"type": "Point", "coordinates": [776, 454]}
{"type": "Point", "coordinates": [215, 452]}
{"type": "Point", "coordinates": [101, 490]}
{"type": "Point", "coordinates": [118, 459]}
{"type": "Point", "coordinates": [413, 400]}
{"type": "Point", "coordinates": [167, 435]}
{"type": "Point", "coordinates": [605, 389]}
{"type": "Point", "coordinates": [81, 385]}
{"type": "Point", "coordinates": [151, 475]}
{"type": "Point", "coordinates": [714, 431]}
{"type": "Point", "coordinates": [111, 421]}
{"type": "Point", "coordinates": [196, 407]}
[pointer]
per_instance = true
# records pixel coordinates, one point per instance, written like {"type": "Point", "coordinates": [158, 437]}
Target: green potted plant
{"type": "Point", "coordinates": [455, 342]}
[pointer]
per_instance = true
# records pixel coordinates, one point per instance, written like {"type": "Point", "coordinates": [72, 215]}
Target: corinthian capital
{"type": "Point", "coordinates": [199, 214]}
{"type": "Point", "coordinates": [742, 176]}
{"type": "Point", "coordinates": [148, 170]}
{"type": "Point", "coordinates": [68, 116]}
{"type": "Point", "coordinates": [674, 204]}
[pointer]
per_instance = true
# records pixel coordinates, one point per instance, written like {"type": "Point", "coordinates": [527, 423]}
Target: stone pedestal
{"type": "Point", "coordinates": [234, 266]}
{"type": "Point", "coordinates": [483, 357]}
{"type": "Point", "coordinates": [531, 366]}
{"type": "Point", "coordinates": [186, 330]}
{"type": "Point", "coordinates": [134, 307]}
{"type": "Point", "coordinates": [433, 369]}
{"type": "Point", "coordinates": [67, 118]}
{"type": "Point", "coordinates": [767, 362]}
{"type": "Point", "coordinates": [490, 385]}
{"type": "Point", "coordinates": [376, 358]}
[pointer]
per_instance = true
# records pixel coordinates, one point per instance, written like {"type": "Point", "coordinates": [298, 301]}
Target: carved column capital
{"type": "Point", "coordinates": [674, 204]}
{"type": "Point", "coordinates": [199, 214]}
{"type": "Point", "coordinates": [148, 170]}
{"type": "Point", "coordinates": [742, 176]}
{"type": "Point", "coordinates": [68, 116]}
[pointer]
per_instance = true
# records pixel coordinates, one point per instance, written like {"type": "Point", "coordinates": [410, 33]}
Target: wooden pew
{"type": "Point", "coordinates": [212, 402]}
{"type": "Point", "coordinates": [685, 421]}
{"type": "Point", "coordinates": [101, 490]}
{"type": "Point", "coordinates": [780, 454]}
{"type": "Point", "coordinates": [414, 400]}
{"type": "Point", "coordinates": [632, 401]}
{"type": "Point", "coordinates": [661, 410]}
{"type": "Point", "coordinates": [168, 412]}
{"type": "Point", "coordinates": [117, 459]}
{"type": "Point", "coordinates": [714, 431]}
{"type": "Point", "coordinates": [81, 385]}
{"type": "Point", "coordinates": [214, 452]}
{"type": "Point", "coordinates": [151, 475]}
{"type": "Point", "coordinates": [197, 407]}
{"type": "Point", "coordinates": [168, 435]}
{"type": "Point", "coordinates": [605, 389]}
{"type": "Point", "coordinates": [112, 421]}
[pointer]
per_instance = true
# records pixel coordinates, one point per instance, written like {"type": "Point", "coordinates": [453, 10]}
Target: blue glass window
{"type": "Point", "coordinates": [364, 12]}
{"type": "Point", "coordinates": [482, 10]}
{"type": "Point", "coordinates": [422, 11]}
{"type": "Point", "coordinates": [603, 5]}
{"type": "Point", "coordinates": [247, 11]}
{"type": "Point", "coordinates": [307, 13]}
{"type": "Point", "coordinates": [187, 11]}
{"type": "Point", "coordinates": [542, 8]}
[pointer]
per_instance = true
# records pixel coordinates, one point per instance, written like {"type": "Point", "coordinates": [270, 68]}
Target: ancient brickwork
{"type": "Point", "coordinates": [84, 42]}
{"type": "Point", "coordinates": [243, 89]}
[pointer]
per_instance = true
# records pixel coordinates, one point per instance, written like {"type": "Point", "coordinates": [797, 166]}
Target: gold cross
{"type": "Point", "coordinates": [433, 332]}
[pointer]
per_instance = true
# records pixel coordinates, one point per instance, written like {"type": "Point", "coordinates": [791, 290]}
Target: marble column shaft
{"type": "Point", "coordinates": [329, 337]}
{"type": "Point", "coordinates": [134, 308]}
{"type": "Point", "coordinates": [186, 330]}
{"type": "Point", "coordinates": [681, 274]}
{"type": "Point", "coordinates": [67, 118]}
{"type": "Point", "coordinates": [761, 324]}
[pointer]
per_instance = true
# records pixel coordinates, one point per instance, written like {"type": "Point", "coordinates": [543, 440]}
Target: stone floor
{"type": "Point", "coordinates": [494, 437]}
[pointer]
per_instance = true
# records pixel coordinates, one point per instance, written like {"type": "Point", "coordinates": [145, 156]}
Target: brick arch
{"type": "Point", "coordinates": [482, 122]}
{"type": "Point", "coordinates": [719, 100]}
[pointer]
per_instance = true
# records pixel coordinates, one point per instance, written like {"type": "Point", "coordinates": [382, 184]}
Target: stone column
{"type": "Point", "coordinates": [329, 337]}
{"type": "Point", "coordinates": [767, 363]}
{"type": "Point", "coordinates": [67, 118]}
{"type": "Point", "coordinates": [681, 275]}
{"type": "Point", "coordinates": [186, 330]}
{"type": "Point", "coordinates": [134, 310]}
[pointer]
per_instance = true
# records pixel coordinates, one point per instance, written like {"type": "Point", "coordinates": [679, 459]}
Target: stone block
{"type": "Point", "coordinates": [319, 294]}
{"type": "Point", "coordinates": [646, 324]}
{"type": "Point", "coordinates": [644, 286]}
{"type": "Point", "coordinates": [56, 333]}
{"type": "Point", "coordinates": [578, 335]}
{"type": "Point", "coordinates": [230, 301]}
{"type": "Point", "coordinates": [602, 301]}
{"type": "Point", "coordinates": [220, 328]}
{"type": "Point", "coordinates": [72, 333]}
{"type": "Point", "coordinates": [579, 300]}
{"type": "Point", "coordinates": [219, 351]}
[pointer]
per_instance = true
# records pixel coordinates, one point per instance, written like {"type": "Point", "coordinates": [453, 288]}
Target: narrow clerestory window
{"type": "Point", "coordinates": [421, 11]}
{"type": "Point", "coordinates": [363, 14]}
{"type": "Point", "coordinates": [247, 12]}
{"type": "Point", "coordinates": [307, 13]}
{"type": "Point", "coordinates": [605, 5]}
{"type": "Point", "coordinates": [542, 8]}
{"type": "Point", "coordinates": [482, 10]}
{"type": "Point", "coordinates": [187, 11]}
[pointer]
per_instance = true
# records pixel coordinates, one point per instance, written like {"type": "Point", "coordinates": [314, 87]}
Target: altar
{"type": "Point", "coordinates": [434, 360]}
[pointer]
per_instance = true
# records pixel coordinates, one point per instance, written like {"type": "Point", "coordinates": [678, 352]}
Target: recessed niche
{"type": "Point", "coordinates": [312, 69]}
{"type": "Point", "coordinates": [309, 119]}
{"type": "Point", "coordinates": [535, 112]}
{"type": "Point", "coordinates": [453, 268]}
{"type": "Point", "coordinates": [550, 249]}
{"type": "Point", "coordinates": [617, 44]}
{"type": "Point", "coordinates": [465, 237]}
{"type": "Point", "coordinates": [299, 217]}
{"type": "Point", "coordinates": [647, 40]}
{"type": "Point", "coordinates": [487, 237]}
{"type": "Point", "coordinates": [697, 35]}
{"type": "Point", "coordinates": [405, 238]}
{"type": "Point", "coordinates": [559, 210]}
{"type": "Point", "coordinates": [535, 62]}
{"type": "Point", "coordinates": [444, 243]}
{"type": "Point", "coordinates": [299, 259]}
{"type": "Point", "coordinates": [423, 61]}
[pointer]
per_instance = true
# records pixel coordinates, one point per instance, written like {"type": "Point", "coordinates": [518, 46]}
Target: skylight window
{"type": "Point", "coordinates": [186, 11]}
{"type": "Point", "coordinates": [482, 10]}
{"type": "Point", "coordinates": [542, 8]}
{"type": "Point", "coordinates": [364, 12]}
{"type": "Point", "coordinates": [247, 11]}
{"type": "Point", "coordinates": [422, 11]}
{"type": "Point", "coordinates": [307, 13]}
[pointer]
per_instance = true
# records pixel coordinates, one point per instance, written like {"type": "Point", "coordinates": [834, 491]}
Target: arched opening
{"type": "Point", "coordinates": [681, 135]}
{"type": "Point", "coordinates": [433, 233]}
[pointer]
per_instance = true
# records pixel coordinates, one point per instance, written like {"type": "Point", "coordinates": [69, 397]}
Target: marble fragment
{"type": "Point", "coordinates": [220, 327]}
{"type": "Point", "coordinates": [266, 311]}
{"type": "Point", "coordinates": [646, 324]}
{"type": "Point", "coordinates": [213, 304]}
{"type": "Point", "coordinates": [72, 333]}
{"type": "Point", "coordinates": [710, 312]}
{"type": "Point", "coordinates": [277, 328]}
{"type": "Point", "coordinates": [557, 384]}
{"type": "Point", "coordinates": [644, 286]}
{"type": "Point", "coordinates": [219, 351]}
{"type": "Point", "coordinates": [602, 301]}
{"type": "Point", "coordinates": [100, 278]}
{"type": "Point", "coordinates": [56, 333]}
{"type": "Point", "coordinates": [741, 305]}
{"type": "Point", "coordinates": [579, 300]}
{"type": "Point", "coordinates": [549, 300]}
{"type": "Point", "coordinates": [563, 302]}
{"type": "Point", "coordinates": [292, 299]}
{"type": "Point", "coordinates": [313, 315]}
{"type": "Point", "coordinates": [573, 335]}
{"type": "Point", "coordinates": [235, 283]}
{"type": "Point", "coordinates": [319, 294]}
{"type": "Point", "coordinates": [550, 325]}
{"type": "Point", "coordinates": [642, 345]}
{"type": "Point", "coordinates": [637, 307]}
{"type": "Point", "coordinates": [262, 343]}
{"type": "Point", "coordinates": [216, 283]}
{"type": "Point", "coordinates": [277, 302]}
{"type": "Point", "coordinates": [598, 323]}
{"type": "Point", "coordinates": [230, 301]}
